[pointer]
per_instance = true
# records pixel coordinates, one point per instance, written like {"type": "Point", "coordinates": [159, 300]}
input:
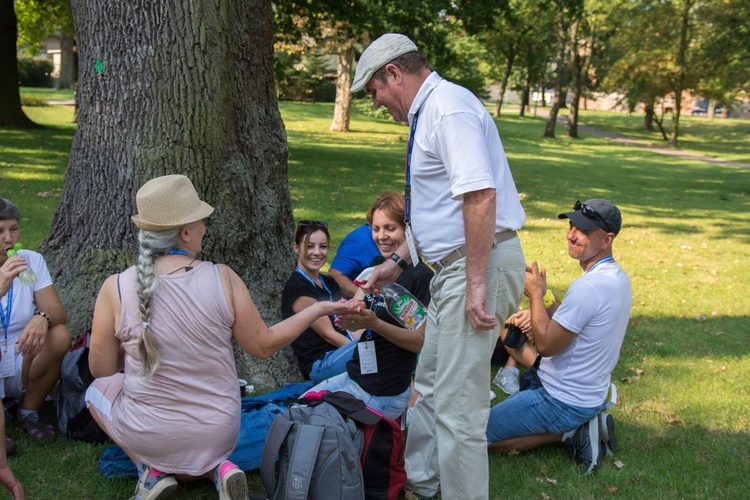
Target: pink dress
{"type": "Point", "coordinates": [185, 420]}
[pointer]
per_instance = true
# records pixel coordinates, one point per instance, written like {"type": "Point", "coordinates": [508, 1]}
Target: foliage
{"type": "Point", "coordinates": [39, 18]}
{"type": "Point", "coordinates": [35, 72]}
{"type": "Point", "coordinates": [303, 77]}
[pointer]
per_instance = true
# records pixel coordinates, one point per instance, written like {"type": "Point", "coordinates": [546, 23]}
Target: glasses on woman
{"type": "Point", "coordinates": [590, 213]}
{"type": "Point", "coordinates": [312, 223]}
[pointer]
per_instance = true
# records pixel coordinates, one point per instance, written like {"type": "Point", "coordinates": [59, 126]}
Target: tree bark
{"type": "Point", "coordinates": [648, 118]}
{"type": "Point", "coordinates": [67, 63]}
{"type": "Point", "coordinates": [176, 87]}
{"type": "Point", "coordinates": [11, 113]}
{"type": "Point", "coordinates": [342, 109]}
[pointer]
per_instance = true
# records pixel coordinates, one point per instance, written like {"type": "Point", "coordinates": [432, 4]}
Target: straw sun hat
{"type": "Point", "coordinates": [169, 202]}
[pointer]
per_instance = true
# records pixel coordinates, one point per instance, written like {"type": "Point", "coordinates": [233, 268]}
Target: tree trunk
{"type": "Point", "coordinates": [504, 81]}
{"type": "Point", "coordinates": [562, 35]}
{"type": "Point", "coordinates": [681, 70]}
{"type": "Point", "coordinates": [342, 110]}
{"type": "Point", "coordinates": [11, 114]}
{"type": "Point", "coordinates": [577, 83]}
{"type": "Point", "coordinates": [648, 118]}
{"type": "Point", "coordinates": [67, 63]}
{"type": "Point", "coordinates": [176, 87]}
{"type": "Point", "coordinates": [525, 94]}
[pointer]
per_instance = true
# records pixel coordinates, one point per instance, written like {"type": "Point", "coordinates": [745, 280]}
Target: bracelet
{"type": "Point", "coordinates": [398, 260]}
{"type": "Point", "coordinates": [549, 299]}
{"type": "Point", "coordinates": [44, 315]}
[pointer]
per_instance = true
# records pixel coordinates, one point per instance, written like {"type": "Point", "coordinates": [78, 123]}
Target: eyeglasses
{"type": "Point", "coordinates": [312, 223]}
{"type": "Point", "coordinates": [590, 213]}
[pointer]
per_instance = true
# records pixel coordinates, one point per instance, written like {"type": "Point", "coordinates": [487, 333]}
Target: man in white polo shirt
{"type": "Point", "coordinates": [463, 217]}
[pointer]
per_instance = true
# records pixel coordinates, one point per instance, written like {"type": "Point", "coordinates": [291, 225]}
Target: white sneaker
{"type": "Point", "coordinates": [507, 380]}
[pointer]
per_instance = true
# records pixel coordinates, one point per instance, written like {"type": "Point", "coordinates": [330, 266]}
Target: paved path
{"type": "Point", "coordinates": [677, 153]}
{"type": "Point", "coordinates": [659, 149]}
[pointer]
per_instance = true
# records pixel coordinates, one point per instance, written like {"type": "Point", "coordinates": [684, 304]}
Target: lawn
{"type": "Point", "coordinates": [684, 374]}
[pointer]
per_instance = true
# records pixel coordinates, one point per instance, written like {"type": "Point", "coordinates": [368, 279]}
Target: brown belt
{"type": "Point", "coordinates": [460, 252]}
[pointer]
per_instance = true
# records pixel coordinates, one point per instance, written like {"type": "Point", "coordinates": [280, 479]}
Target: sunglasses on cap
{"type": "Point", "coordinates": [590, 213]}
{"type": "Point", "coordinates": [312, 223]}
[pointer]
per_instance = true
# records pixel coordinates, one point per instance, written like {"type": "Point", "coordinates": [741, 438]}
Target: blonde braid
{"type": "Point", "coordinates": [151, 243]}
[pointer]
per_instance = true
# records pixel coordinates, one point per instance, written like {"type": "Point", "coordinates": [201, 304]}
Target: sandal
{"type": "Point", "coordinates": [39, 430]}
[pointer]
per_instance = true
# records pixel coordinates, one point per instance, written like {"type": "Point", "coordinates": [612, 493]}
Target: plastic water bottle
{"type": "Point", "coordinates": [403, 306]}
{"type": "Point", "coordinates": [27, 277]}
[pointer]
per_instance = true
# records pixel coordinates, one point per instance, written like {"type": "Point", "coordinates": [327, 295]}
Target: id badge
{"type": "Point", "coordinates": [412, 247]}
{"type": "Point", "coordinates": [368, 361]}
{"type": "Point", "coordinates": [8, 362]}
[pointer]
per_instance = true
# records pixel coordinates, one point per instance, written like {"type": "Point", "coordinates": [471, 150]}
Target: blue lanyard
{"type": "Point", "coordinates": [5, 319]}
{"type": "Point", "coordinates": [322, 282]}
{"type": "Point", "coordinates": [407, 181]}
{"type": "Point", "coordinates": [178, 251]}
{"type": "Point", "coordinates": [608, 258]}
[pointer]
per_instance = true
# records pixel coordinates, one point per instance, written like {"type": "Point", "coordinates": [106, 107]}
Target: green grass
{"type": "Point", "coordinates": [47, 94]}
{"type": "Point", "coordinates": [684, 372]}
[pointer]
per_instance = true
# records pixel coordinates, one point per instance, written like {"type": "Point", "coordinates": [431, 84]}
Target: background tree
{"type": "Point", "coordinates": [176, 87]}
{"type": "Point", "coordinates": [11, 114]}
{"type": "Point", "coordinates": [345, 27]}
{"type": "Point", "coordinates": [38, 19]}
{"type": "Point", "coordinates": [567, 12]}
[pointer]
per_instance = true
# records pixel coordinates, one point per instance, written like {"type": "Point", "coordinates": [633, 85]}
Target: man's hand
{"type": "Point", "coordinates": [535, 285]}
{"type": "Point", "coordinates": [476, 293]}
{"type": "Point", "coordinates": [387, 272]}
{"type": "Point", "coordinates": [32, 338]}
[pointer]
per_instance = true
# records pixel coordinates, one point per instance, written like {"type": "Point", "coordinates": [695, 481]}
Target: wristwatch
{"type": "Point", "coordinates": [398, 260]}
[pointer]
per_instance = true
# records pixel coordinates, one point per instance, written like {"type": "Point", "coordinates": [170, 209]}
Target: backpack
{"type": "Point", "coordinates": [318, 451]}
{"type": "Point", "coordinates": [382, 453]}
{"type": "Point", "coordinates": [379, 445]}
{"type": "Point", "coordinates": [73, 417]}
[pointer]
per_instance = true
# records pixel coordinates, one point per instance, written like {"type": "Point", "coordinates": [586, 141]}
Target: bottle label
{"type": "Point", "coordinates": [408, 312]}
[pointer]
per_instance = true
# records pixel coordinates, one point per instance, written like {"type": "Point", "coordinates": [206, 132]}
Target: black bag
{"type": "Point", "coordinates": [73, 418]}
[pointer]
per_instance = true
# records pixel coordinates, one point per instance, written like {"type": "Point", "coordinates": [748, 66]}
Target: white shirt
{"type": "Point", "coordinates": [457, 149]}
{"type": "Point", "coordinates": [596, 308]}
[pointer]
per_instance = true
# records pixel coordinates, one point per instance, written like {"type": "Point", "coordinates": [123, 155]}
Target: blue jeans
{"type": "Point", "coordinates": [333, 363]}
{"type": "Point", "coordinates": [390, 406]}
{"type": "Point", "coordinates": [534, 411]}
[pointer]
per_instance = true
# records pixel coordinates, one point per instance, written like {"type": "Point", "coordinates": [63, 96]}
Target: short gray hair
{"type": "Point", "coordinates": [8, 211]}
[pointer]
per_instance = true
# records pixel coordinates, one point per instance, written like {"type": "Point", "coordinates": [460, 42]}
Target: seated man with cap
{"type": "Point", "coordinates": [579, 341]}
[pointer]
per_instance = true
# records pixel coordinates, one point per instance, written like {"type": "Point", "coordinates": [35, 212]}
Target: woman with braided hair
{"type": "Point", "coordinates": [167, 323]}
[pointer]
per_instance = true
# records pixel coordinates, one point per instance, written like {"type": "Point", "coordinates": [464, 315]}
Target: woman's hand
{"type": "Point", "coordinates": [362, 319]}
{"type": "Point", "coordinates": [11, 268]}
{"type": "Point", "coordinates": [32, 338]}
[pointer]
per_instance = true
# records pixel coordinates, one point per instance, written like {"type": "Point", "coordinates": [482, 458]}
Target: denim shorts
{"type": "Point", "coordinates": [534, 411]}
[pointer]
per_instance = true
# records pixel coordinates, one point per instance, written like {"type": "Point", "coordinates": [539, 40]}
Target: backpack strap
{"type": "Point", "coordinates": [301, 458]}
{"type": "Point", "coordinates": [302, 461]}
{"type": "Point", "coordinates": [276, 435]}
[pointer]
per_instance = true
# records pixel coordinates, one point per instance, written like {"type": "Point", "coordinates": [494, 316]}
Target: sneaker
{"type": "Point", "coordinates": [153, 487]}
{"type": "Point", "coordinates": [607, 433]}
{"type": "Point", "coordinates": [507, 380]}
{"type": "Point", "coordinates": [231, 482]}
{"type": "Point", "coordinates": [585, 445]}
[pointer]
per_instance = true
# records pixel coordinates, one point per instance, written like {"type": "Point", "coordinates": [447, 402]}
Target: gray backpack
{"type": "Point", "coordinates": [318, 451]}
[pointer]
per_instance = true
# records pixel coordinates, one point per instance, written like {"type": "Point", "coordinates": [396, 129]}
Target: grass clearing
{"type": "Point", "coordinates": [684, 373]}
